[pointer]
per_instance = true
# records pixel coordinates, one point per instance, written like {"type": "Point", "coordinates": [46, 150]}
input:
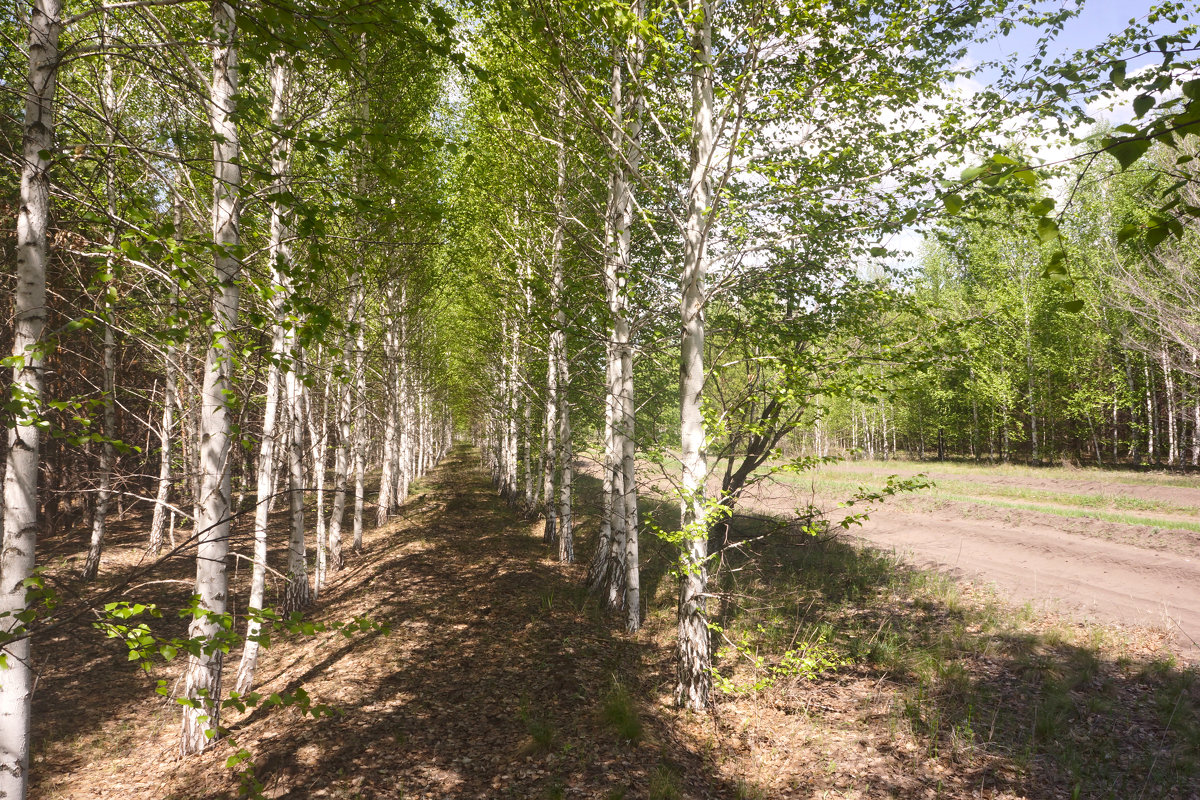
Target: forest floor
{"type": "Point", "coordinates": [499, 677]}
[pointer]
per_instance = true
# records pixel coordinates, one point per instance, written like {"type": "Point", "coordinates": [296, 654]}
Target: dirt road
{"type": "Point", "coordinates": [1082, 575]}
{"type": "Point", "coordinates": [1091, 569]}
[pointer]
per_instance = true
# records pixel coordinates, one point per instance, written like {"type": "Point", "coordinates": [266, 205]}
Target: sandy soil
{"type": "Point", "coordinates": [1082, 575]}
{"type": "Point", "coordinates": [1097, 571]}
{"type": "Point", "coordinates": [1088, 482]}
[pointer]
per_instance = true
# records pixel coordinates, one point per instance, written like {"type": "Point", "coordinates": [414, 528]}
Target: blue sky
{"type": "Point", "coordinates": [1097, 20]}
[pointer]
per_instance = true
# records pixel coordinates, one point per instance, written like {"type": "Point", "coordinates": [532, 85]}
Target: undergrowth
{"type": "Point", "coordinates": [980, 684]}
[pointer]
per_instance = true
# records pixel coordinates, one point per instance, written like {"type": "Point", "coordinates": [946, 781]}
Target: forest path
{"type": "Point", "coordinates": [490, 684]}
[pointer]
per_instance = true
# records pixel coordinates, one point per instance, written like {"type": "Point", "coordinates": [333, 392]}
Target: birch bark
{"type": "Point", "coordinates": [158, 523]}
{"type": "Point", "coordinates": [202, 685]}
{"type": "Point", "coordinates": [297, 593]}
{"type": "Point", "coordinates": [694, 659]}
{"type": "Point", "coordinates": [281, 283]}
{"type": "Point", "coordinates": [317, 438]}
{"type": "Point", "coordinates": [360, 432]}
{"type": "Point", "coordinates": [108, 107]}
{"type": "Point", "coordinates": [21, 456]}
{"type": "Point", "coordinates": [341, 457]}
{"type": "Point", "coordinates": [562, 529]}
{"type": "Point", "coordinates": [387, 479]}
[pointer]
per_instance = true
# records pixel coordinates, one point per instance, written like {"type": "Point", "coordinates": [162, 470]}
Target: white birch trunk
{"type": "Point", "coordinates": [202, 685]}
{"type": "Point", "coordinates": [91, 565]}
{"type": "Point", "coordinates": [281, 283]}
{"type": "Point", "coordinates": [1169, 390]}
{"type": "Point", "coordinates": [561, 530]}
{"type": "Point", "coordinates": [359, 447]}
{"type": "Point", "coordinates": [17, 559]}
{"type": "Point", "coordinates": [158, 523]}
{"type": "Point", "coordinates": [317, 438]}
{"type": "Point", "coordinates": [108, 107]}
{"type": "Point", "coordinates": [341, 456]}
{"type": "Point", "coordinates": [550, 441]}
{"type": "Point", "coordinates": [298, 592]}
{"type": "Point", "coordinates": [387, 478]}
{"type": "Point", "coordinates": [403, 473]}
{"type": "Point", "coordinates": [566, 525]}
{"type": "Point", "coordinates": [513, 414]}
{"type": "Point", "coordinates": [695, 680]}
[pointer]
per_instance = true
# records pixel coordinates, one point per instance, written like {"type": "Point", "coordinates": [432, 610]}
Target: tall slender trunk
{"type": "Point", "coordinates": [607, 568]}
{"type": "Point", "coordinates": [1195, 412]}
{"type": "Point", "coordinates": [627, 146]}
{"type": "Point", "coordinates": [1034, 455]}
{"type": "Point", "coordinates": [341, 457]}
{"type": "Point", "coordinates": [281, 283]}
{"type": "Point", "coordinates": [91, 565]}
{"type": "Point", "coordinates": [1169, 391]}
{"type": "Point", "coordinates": [513, 412]}
{"type": "Point", "coordinates": [387, 479]}
{"type": "Point", "coordinates": [359, 448]}
{"type": "Point", "coordinates": [358, 444]}
{"type": "Point", "coordinates": [318, 439]}
{"type": "Point", "coordinates": [566, 525]}
{"type": "Point", "coordinates": [562, 529]}
{"type": "Point", "coordinates": [550, 450]}
{"type": "Point", "coordinates": [402, 473]}
{"type": "Point", "coordinates": [202, 685]}
{"type": "Point", "coordinates": [527, 418]}
{"type": "Point", "coordinates": [158, 523]}
{"type": "Point", "coordinates": [298, 592]}
{"type": "Point", "coordinates": [20, 524]}
{"type": "Point", "coordinates": [1151, 413]}
{"type": "Point", "coordinates": [1133, 426]}
{"type": "Point", "coordinates": [262, 508]}
{"type": "Point", "coordinates": [695, 678]}
{"type": "Point", "coordinates": [633, 620]}
{"type": "Point", "coordinates": [162, 495]}
{"type": "Point", "coordinates": [108, 106]}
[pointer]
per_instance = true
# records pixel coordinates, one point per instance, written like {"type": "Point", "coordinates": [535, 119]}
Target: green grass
{"type": "Point", "coordinates": [664, 784]}
{"type": "Point", "coordinates": [620, 712]}
{"type": "Point", "coordinates": [1079, 513]}
{"type": "Point", "coordinates": [1033, 474]}
{"type": "Point", "coordinates": [1062, 504]}
{"type": "Point", "coordinates": [538, 726]}
{"type": "Point", "coordinates": [978, 683]}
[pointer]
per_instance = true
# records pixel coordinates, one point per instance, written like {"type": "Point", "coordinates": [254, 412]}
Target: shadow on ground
{"type": "Point", "coordinates": [948, 691]}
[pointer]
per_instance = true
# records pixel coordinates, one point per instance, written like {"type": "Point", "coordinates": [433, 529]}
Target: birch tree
{"type": "Point", "coordinates": [202, 687]}
{"type": "Point", "coordinates": [21, 455]}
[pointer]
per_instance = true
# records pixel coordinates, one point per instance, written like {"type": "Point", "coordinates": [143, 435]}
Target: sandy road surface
{"type": "Point", "coordinates": [1091, 570]}
{"type": "Point", "coordinates": [1082, 575]}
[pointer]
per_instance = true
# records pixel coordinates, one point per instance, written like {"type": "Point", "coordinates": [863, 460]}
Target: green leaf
{"type": "Point", "coordinates": [1117, 74]}
{"type": "Point", "coordinates": [1127, 151]}
{"type": "Point", "coordinates": [953, 203]}
{"type": "Point", "coordinates": [1074, 306]}
{"type": "Point", "coordinates": [1156, 234]}
{"type": "Point", "coordinates": [1141, 104]}
{"type": "Point", "coordinates": [1047, 230]}
{"type": "Point", "coordinates": [1026, 176]}
{"type": "Point", "coordinates": [971, 173]}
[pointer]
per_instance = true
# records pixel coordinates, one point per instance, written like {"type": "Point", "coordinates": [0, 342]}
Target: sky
{"type": "Point", "coordinates": [1097, 20]}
